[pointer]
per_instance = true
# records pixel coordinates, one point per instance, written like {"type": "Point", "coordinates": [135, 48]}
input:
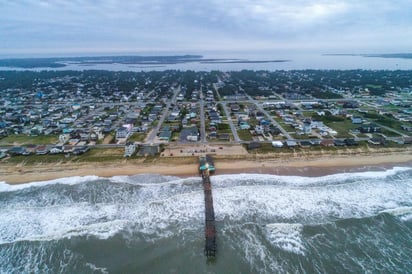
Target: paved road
{"type": "Point", "coordinates": [202, 117]}
{"type": "Point", "coordinates": [232, 126]}
{"type": "Point", "coordinates": [284, 132]}
{"type": "Point", "coordinates": [155, 130]}
{"type": "Point", "coordinates": [229, 119]}
{"type": "Point", "coordinates": [217, 92]}
{"type": "Point", "coordinates": [392, 130]}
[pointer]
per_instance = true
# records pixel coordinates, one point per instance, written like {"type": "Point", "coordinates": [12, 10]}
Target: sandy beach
{"type": "Point", "coordinates": [301, 166]}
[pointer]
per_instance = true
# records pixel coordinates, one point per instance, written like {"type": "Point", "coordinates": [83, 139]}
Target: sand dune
{"type": "Point", "coordinates": [302, 166]}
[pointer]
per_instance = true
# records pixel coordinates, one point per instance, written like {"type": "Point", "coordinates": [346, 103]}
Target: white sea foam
{"type": "Point", "coordinates": [4, 187]}
{"type": "Point", "coordinates": [363, 195]}
{"type": "Point", "coordinates": [228, 180]}
{"type": "Point", "coordinates": [246, 239]}
{"type": "Point", "coordinates": [36, 259]}
{"type": "Point", "coordinates": [404, 212]}
{"type": "Point", "coordinates": [156, 207]}
{"type": "Point", "coordinates": [148, 179]}
{"type": "Point", "coordinates": [102, 220]}
{"type": "Point", "coordinates": [286, 236]}
{"type": "Point", "coordinates": [94, 268]}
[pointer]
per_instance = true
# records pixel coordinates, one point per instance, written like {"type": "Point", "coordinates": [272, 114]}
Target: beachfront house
{"type": "Point", "coordinates": [129, 149]}
{"type": "Point", "coordinates": [42, 150]}
{"type": "Point", "coordinates": [165, 135]}
{"type": "Point", "coordinates": [291, 143]}
{"type": "Point", "coordinates": [370, 128]}
{"type": "Point", "coordinates": [277, 144]}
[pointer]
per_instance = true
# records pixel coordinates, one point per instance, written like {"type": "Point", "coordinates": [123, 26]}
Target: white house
{"type": "Point", "coordinates": [129, 149]}
{"type": "Point", "coordinates": [277, 144]}
{"type": "Point", "coordinates": [63, 138]}
{"type": "Point", "coordinates": [259, 130]}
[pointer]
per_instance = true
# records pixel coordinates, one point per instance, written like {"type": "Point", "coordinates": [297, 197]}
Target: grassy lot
{"type": "Point", "coordinates": [268, 148]}
{"type": "Point", "coordinates": [303, 136]}
{"type": "Point", "coordinates": [244, 135]}
{"type": "Point", "coordinates": [37, 159]}
{"type": "Point", "coordinates": [219, 131]}
{"type": "Point", "coordinates": [389, 133]}
{"type": "Point", "coordinates": [253, 122]}
{"type": "Point", "coordinates": [25, 140]}
{"type": "Point", "coordinates": [342, 127]}
{"type": "Point", "coordinates": [175, 136]}
{"type": "Point", "coordinates": [97, 155]}
{"type": "Point", "coordinates": [385, 120]}
{"type": "Point", "coordinates": [100, 155]}
{"type": "Point", "coordinates": [308, 114]}
{"type": "Point", "coordinates": [286, 127]}
{"type": "Point", "coordinates": [137, 137]}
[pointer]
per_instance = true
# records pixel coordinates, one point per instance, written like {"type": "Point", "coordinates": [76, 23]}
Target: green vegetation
{"type": "Point", "coordinates": [326, 95]}
{"type": "Point", "coordinates": [175, 136]}
{"type": "Point", "coordinates": [137, 137]}
{"type": "Point", "coordinates": [287, 127]}
{"type": "Point", "coordinates": [303, 136]}
{"type": "Point", "coordinates": [342, 127]}
{"type": "Point", "coordinates": [328, 117]}
{"type": "Point", "coordinates": [385, 120]}
{"type": "Point", "coordinates": [26, 140]}
{"type": "Point", "coordinates": [223, 127]}
{"type": "Point", "coordinates": [37, 159]}
{"type": "Point", "coordinates": [389, 133]}
{"type": "Point", "coordinates": [100, 155]}
{"type": "Point", "coordinates": [245, 135]}
{"type": "Point", "coordinates": [266, 148]}
{"type": "Point", "coordinates": [227, 130]}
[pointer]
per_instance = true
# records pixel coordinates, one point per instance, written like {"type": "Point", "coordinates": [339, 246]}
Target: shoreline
{"type": "Point", "coordinates": [308, 167]}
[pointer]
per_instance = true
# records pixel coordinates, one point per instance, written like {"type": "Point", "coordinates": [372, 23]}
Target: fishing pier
{"type": "Point", "coordinates": [206, 167]}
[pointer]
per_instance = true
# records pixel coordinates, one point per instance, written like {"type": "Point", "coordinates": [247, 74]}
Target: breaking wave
{"type": "Point", "coordinates": [275, 223]}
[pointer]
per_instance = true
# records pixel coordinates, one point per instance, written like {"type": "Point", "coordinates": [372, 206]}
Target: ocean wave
{"type": "Point", "coordinates": [102, 231]}
{"type": "Point", "coordinates": [151, 214]}
{"type": "Point", "coordinates": [286, 236]}
{"type": "Point", "coordinates": [339, 178]}
{"type": "Point", "coordinates": [149, 179]}
{"type": "Point", "coordinates": [218, 180]}
{"type": "Point", "coordinates": [99, 207]}
{"type": "Point", "coordinates": [404, 212]}
{"type": "Point", "coordinates": [94, 268]}
{"type": "Point", "coordinates": [265, 200]}
{"type": "Point", "coordinates": [4, 187]}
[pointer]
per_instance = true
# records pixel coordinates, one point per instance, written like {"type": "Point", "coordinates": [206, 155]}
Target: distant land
{"type": "Point", "coordinates": [383, 55]}
{"type": "Point", "coordinates": [59, 62]}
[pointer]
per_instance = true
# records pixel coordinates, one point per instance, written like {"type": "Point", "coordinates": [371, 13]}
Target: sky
{"type": "Point", "coordinates": [64, 27]}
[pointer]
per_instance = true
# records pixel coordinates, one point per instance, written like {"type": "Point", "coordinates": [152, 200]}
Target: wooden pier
{"type": "Point", "coordinates": [206, 164]}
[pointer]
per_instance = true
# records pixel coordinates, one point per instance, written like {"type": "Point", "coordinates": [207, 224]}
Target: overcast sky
{"type": "Point", "coordinates": [126, 26]}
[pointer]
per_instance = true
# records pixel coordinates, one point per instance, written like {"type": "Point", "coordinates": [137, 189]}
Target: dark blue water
{"type": "Point", "coordinates": [342, 223]}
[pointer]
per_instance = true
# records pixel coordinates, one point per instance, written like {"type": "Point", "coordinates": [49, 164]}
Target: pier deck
{"type": "Point", "coordinates": [210, 229]}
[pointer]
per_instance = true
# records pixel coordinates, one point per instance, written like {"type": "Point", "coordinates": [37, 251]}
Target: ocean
{"type": "Point", "coordinates": [341, 223]}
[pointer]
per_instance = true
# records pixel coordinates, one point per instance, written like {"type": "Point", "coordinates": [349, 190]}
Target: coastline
{"type": "Point", "coordinates": [297, 166]}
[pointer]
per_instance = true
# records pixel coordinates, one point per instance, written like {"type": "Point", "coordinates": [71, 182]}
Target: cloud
{"type": "Point", "coordinates": [97, 25]}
